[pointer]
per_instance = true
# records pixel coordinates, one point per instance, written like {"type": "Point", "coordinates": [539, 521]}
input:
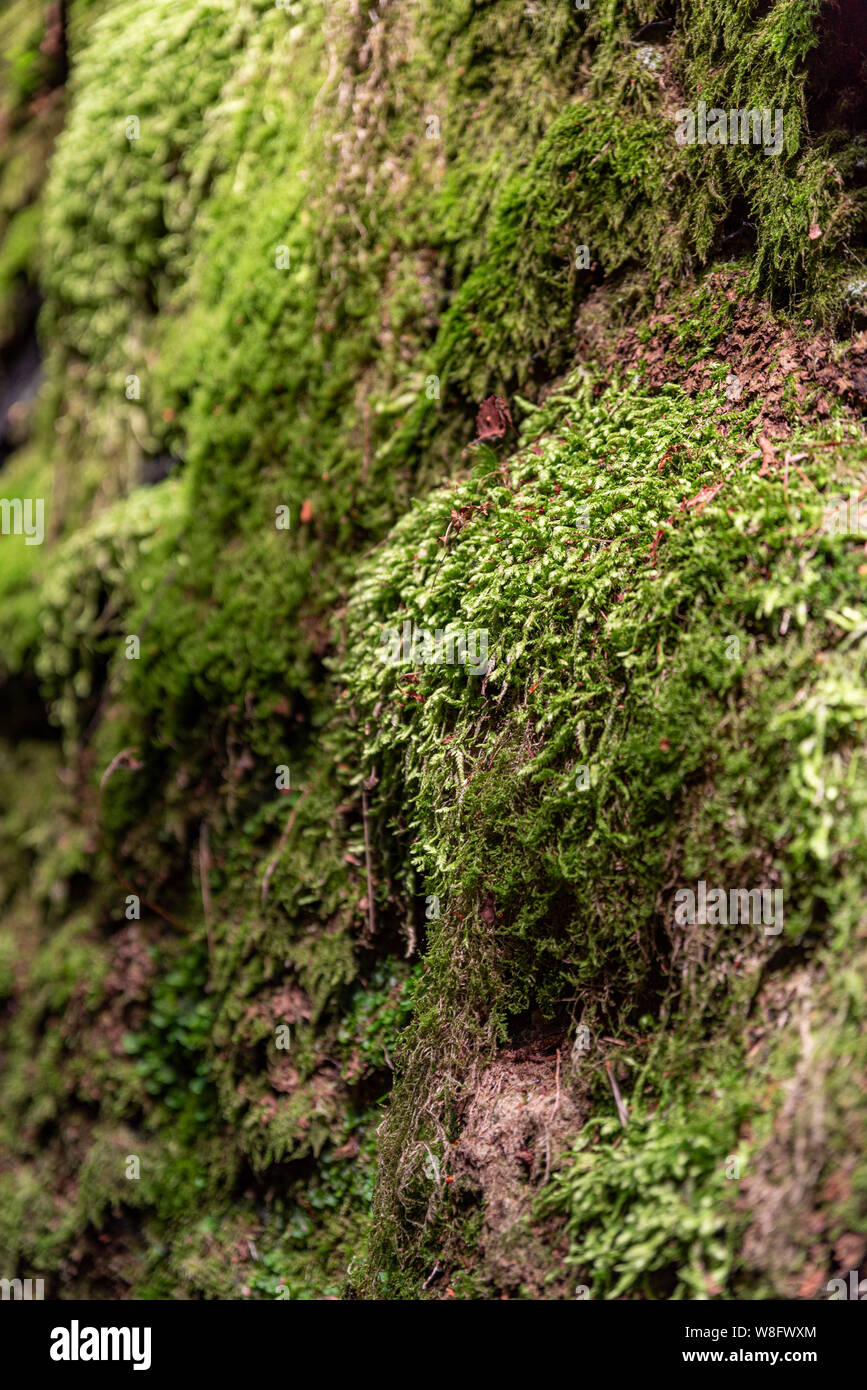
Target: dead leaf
{"type": "Point", "coordinates": [494, 419]}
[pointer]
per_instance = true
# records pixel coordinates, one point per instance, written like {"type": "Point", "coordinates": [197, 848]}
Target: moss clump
{"type": "Point", "coordinates": [666, 697]}
{"type": "Point", "coordinates": [654, 1201]}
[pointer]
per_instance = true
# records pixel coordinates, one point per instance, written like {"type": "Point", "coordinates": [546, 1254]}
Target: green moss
{"type": "Point", "coordinates": [613, 559]}
{"type": "Point", "coordinates": [656, 1202]}
{"type": "Point", "coordinates": [25, 476]}
{"type": "Point", "coordinates": [634, 661]}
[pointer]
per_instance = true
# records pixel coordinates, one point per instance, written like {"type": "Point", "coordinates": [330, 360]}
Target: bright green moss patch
{"type": "Point", "coordinates": [654, 1200]}
{"type": "Point", "coordinates": [667, 697]}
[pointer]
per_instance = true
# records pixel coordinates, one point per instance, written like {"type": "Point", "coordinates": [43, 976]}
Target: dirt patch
{"type": "Point", "coordinates": [524, 1110]}
{"type": "Point", "coordinates": [769, 361]}
{"type": "Point", "coordinates": [782, 1189]}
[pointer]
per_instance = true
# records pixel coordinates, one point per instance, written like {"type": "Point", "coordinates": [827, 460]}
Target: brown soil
{"type": "Point", "coordinates": [522, 1112]}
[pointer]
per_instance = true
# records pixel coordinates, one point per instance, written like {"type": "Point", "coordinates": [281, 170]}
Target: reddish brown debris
{"type": "Point", "coordinates": [494, 419]}
{"type": "Point", "coordinates": [766, 356]}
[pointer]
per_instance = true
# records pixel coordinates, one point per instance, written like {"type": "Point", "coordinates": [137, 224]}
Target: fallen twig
{"type": "Point", "coordinates": [125, 758]}
{"type": "Point", "coordinates": [433, 1274]}
{"type": "Point", "coordinates": [622, 1112]}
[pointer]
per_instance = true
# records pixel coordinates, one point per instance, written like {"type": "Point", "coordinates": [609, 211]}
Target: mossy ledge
{"type": "Point", "coordinates": [375, 967]}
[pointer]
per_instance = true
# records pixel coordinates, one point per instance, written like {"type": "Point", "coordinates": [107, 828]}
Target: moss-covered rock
{"type": "Point", "coordinates": [361, 765]}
